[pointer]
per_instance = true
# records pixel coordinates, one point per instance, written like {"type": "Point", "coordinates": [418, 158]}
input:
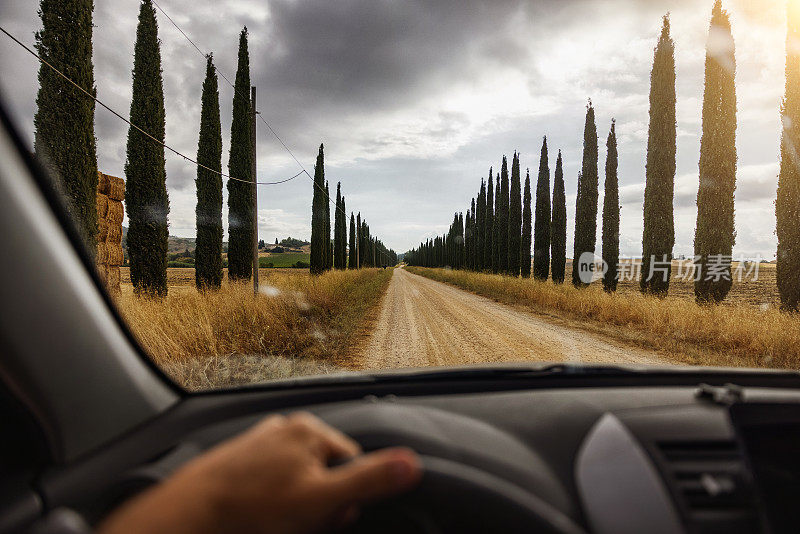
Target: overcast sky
{"type": "Point", "coordinates": [415, 100]}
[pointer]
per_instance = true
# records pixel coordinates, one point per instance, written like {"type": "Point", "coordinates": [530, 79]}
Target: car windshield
{"type": "Point", "coordinates": [291, 188]}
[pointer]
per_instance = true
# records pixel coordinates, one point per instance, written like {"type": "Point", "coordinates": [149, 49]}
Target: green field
{"type": "Point", "coordinates": [285, 259]}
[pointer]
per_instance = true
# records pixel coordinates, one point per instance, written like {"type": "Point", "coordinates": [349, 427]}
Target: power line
{"type": "Point", "coordinates": [247, 99]}
{"type": "Point", "coordinates": [196, 47]}
{"type": "Point", "coordinates": [162, 143]}
{"type": "Point", "coordinates": [132, 125]}
{"type": "Point", "coordinates": [258, 114]}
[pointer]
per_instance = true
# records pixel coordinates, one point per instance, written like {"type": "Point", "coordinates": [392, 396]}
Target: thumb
{"type": "Point", "coordinates": [375, 476]}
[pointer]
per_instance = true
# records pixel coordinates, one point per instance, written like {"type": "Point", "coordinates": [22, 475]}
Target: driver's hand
{"type": "Point", "coordinates": [274, 478]}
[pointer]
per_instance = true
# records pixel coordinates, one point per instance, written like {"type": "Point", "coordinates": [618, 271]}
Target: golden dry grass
{"type": "Point", "coordinates": [731, 335]}
{"type": "Point", "coordinates": [298, 324]}
{"type": "Point", "coordinates": [760, 293]}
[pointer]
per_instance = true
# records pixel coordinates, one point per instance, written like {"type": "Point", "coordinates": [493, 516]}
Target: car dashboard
{"type": "Point", "coordinates": [670, 458]}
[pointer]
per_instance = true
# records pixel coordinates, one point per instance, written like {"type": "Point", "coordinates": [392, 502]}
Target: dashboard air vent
{"type": "Point", "coordinates": [711, 483]}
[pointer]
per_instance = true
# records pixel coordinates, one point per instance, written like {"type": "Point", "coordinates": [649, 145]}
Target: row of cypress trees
{"type": "Point", "coordinates": [714, 231]}
{"type": "Point", "coordinates": [486, 235]}
{"type": "Point", "coordinates": [147, 202]}
{"type": "Point", "coordinates": [208, 212]}
{"type": "Point", "coordinates": [498, 232]}
{"type": "Point", "coordinates": [363, 249]}
{"type": "Point", "coordinates": [586, 204]}
{"type": "Point", "coordinates": [495, 234]}
{"type": "Point", "coordinates": [65, 141]}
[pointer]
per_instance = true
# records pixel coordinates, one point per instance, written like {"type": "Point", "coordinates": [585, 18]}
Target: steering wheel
{"type": "Point", "coordinates": [453, 497]}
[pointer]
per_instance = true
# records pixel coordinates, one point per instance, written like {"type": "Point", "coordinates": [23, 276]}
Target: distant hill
{"type": "Point", "coordinates": [291, 242]}
{"type": "Point", "coordinates": [174, 243]}
{"type": "Point", "coordinates": [180, 244]}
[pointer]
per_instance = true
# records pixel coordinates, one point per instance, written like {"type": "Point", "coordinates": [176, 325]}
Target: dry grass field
{"type": "Point", "coordinates": [761, 293]}
{"type": "Point", "coordinates": [747, 331]}
{"type": "Point", "coordinates": [181, 278]}
{"type": "Point", "coordinates": [298, 325]}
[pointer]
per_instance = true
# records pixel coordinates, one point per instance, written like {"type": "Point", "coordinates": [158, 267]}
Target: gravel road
{"type": "Point", "coordinates": [423, 322]}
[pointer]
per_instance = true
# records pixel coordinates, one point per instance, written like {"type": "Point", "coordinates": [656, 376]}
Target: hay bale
{"type": "Point", "coordinates": [113, 279]}
{"type": "Point", "coordinates": [102, 183]}
{"type": "Point", "coordinates": [114, 234]}
{"type": "Point", "coordinates": [116, 188]}
{"type": "Point", "coordinates": [115, 255]}
{"type": "Point", "coordinates": [102, 253]}
{"type": "Point", "coordinates": [115, 212]}
{"type": "Point", "coordinates": [102, 230]}
{"type": "Point", "coordinates": [102, 206]}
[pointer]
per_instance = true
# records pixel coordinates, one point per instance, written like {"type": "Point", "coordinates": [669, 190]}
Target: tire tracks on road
{"type": "Point", "coordinates": [423, 322]}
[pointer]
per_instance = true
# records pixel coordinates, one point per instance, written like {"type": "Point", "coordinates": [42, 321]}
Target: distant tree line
{"type": "Point", "coordinates": [497, 233]}
{"type": "Point", "coordinates": [360, 250]}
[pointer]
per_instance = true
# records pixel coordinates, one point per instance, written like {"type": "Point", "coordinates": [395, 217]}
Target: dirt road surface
{"type": "Point", "coordinates": [423, 322]}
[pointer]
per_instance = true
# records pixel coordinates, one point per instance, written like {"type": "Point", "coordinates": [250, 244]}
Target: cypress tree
{"type": "Point", "coordinates": [338, 233]}
{"type": "Point", "coordinates": [208, 252]}
{"type": "Point", "coordinates": [343, 245]}
{"type": "Point", "coordinates": [64, 122]}
{"type": "Point", "coordinates": [558, 226]}
{"type": "Point", "coordinates": [351, 257]}
{"type": "Point", "coordinates": [146, 190]}
{"type": "Point", "coordinates": [450, 244]}
{"type": "Point", "coordinates": [488, 250]}
{"type": "Point", "coordinates": [714, 235]}
{"type": "Point", "coordinates": [318, 215]}
{"type": "Point", "coordinates": [514, 218]}
{"type": "Point", "coordinates": [359, 241]}
{"type": "Point", "coordinates": [611, 213]}
{"type": "Point", "coordinates": [525, 249]}
{"type": "Point", "coordinates": [327, 231]}
{"type": "Point", "coordinates": [467, 240]}
{"type": "Point", "coordinates": [575, 233]}
{"type": "Point", "coordinates": [460, 252]}
{"type": "Point", "coordinates": [541, 232]}
{"type": "Point", "coordinates": [586, 205]}
{"type": "Point", "coordinates": [497, 247]}
{"type": "Point", "coordinates": [472, 236]}
{"type": "Point", "coordinates": [240, 194]}
{"type": "Point", "coordinates": [473, 253]}
{"type": "Point", "coordinates": [787, 205]}
{"type": "Point", "coordinates": [367, 242]}
{"type": "Point", "coordinates": [504, 219]}
{"type": "Point", "coordinates": [658, 237]}
{"type": "Point", "coordinates": [480, 222]}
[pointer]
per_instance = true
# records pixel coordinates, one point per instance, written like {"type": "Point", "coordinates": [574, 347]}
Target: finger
{"type": "Point", "coordinates": [374, 476]}
{"type": "Point", "coordinates": [269, 424]}
{"type": "Point", "coordinates": [332, 443]}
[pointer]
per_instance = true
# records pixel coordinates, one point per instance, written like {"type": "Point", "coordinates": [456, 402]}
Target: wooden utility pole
{"type": "Point", "coordinates": [254, 179]}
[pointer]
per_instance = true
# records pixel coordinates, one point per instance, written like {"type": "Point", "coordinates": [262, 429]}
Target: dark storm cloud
{"type": "Point", "coordinates": [320, 61]}
{"type": "Point", "coordinates": [367, 53]}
